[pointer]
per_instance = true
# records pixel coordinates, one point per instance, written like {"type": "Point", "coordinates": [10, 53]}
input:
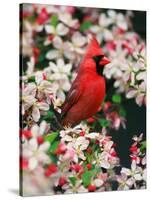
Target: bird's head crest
{"type": "Point", "coordinates": [95, 52]}
{"type": "Point", "coordinates": [94, 49]}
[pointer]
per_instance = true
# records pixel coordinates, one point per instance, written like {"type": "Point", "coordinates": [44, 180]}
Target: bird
{"type": "Point", "coordinates": [88, 90]}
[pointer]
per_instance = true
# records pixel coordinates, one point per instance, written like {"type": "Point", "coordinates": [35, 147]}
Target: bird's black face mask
{"type": "Point", "coordinates": [99, 68]}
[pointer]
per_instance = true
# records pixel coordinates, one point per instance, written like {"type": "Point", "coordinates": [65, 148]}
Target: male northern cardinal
{"type": "Point", "coordinates": [88, 89]}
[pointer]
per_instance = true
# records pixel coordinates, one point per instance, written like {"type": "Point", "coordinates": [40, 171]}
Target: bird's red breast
{"type": "Point", "coordinates": [88, 89]}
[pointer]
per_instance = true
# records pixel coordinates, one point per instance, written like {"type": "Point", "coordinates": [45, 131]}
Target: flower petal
{"type": "Point", "coordinates": [57, 42]}
{"type": "Point", "coordinates": [78, 39]}
{"type": "Point", "coordinates": [44, 158]}
{"type": "Point", "coordinates": [35, 130]}
{"type": "Point", "coordinates": [33, 145]}
{"type": "Point", "coordinates": [43, 106]}
{"type": "Point", "coordinates": [44, 147]}
{"type": "Point", "coordinates": [62, 29]}
{"type": "Point", "coordinates": [38, 77]}
{"type": "Point", "coordinates": [98, 182]}
{"type": "Point", "coordinates": [35, 114]}
{"type": "Point", "coordinates": [61, 95]}
{"type": "Point", "coordinates": [131, 94]}
{"type": "Point", "coordinates": [30, 89]}
{"type": "Point", "coordinates": [52, 54]}
{"type": "Point", "coordinates": [43, 127]}
{"type": "Point", "coordinates": [33, 163]}
{"type": "Point", "coordinates": [49, 29]}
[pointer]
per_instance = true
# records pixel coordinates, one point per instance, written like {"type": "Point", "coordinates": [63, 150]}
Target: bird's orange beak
{"type": "Point", "coordinates": [104, 61]}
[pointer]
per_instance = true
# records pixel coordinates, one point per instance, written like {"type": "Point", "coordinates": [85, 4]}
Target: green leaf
{"type": "Point", "coordinates": [122, 112]}
{"type": "Point", "coordinates": [104, 122]}
{"type": "Point", "coordinates": [31, 79]}
{"type": "Point", "coordinates": [143, 146]}
{"type": "Point", "coordinates": [31, 18]}
{"type": "Point", "coordinates": [85, 26]}
{"type": "Point", "coordinates": [96, 148]}
{"type": "Point", "coordinates": [116, 98]}
{"type": "Point", "coordinates": [54, 20]}
{"type": "Point", "coordinates": [89, 157]}
{"type": "Point", "coordinates": [41, 58]}
{"type": "Point", "coordinates": [73, 180]}
{"type": "Point", "coordinates": [51, 137]}
{"type": "Point", "coordinates": [49, 115]}
{"type": "Point", "coordinates": [53, 158]}
{"type": "Point", "coordinates": [86, 176]}
{"type": "Point", "coordinates": [53, 147]}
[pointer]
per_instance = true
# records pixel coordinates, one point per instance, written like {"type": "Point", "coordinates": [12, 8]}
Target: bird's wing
{"type": "Point", "coordinates": [72, 97]}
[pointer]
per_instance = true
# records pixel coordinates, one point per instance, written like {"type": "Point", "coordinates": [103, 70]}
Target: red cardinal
{"type": "Point", "coordinates": [88, 89]}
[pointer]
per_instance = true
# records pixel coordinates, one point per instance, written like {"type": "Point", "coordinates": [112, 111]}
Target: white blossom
{"type": "Point", "coordinates": [36, 154]}
{"type": "Point", "coordinates": [60, 29]}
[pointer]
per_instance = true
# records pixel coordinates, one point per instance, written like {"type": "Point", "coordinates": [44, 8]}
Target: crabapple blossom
{"type": "Point", "coordinates": [77, 146]}
{"type": "Point", "coordinates": [138, 92]}
{"type": "Point", "coordinates": [59, 74]}
{"type": "Point", "coordinates": [133, 174]}
{"type": "Point", "coordinates": [39, 130]}
{"type": "Point", "coordinates": [101, 30]}
{"type": "Point", "coordinates": [37, 108]}
{"type": "Point", "coordinates": [41, 184]}
{"type": "Point", "coordinates": [77, 188]}
{"type": "Point", "coordinates": [118, 19]}
{"type": "Point", "coordinates": [60, 29]}
{"type": "Point", "coordinates": [124, 182]}
{"type": "Point", "coordinates": [66, 18]}
{"type": "Point", "coordinates": [28, 96]}
{"type": "Point", "coordinates": [76, 46]}
{"type": "Point", "coordinates": [60, 49]}
{"type": "Point", "coordinates": [36, 154]}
